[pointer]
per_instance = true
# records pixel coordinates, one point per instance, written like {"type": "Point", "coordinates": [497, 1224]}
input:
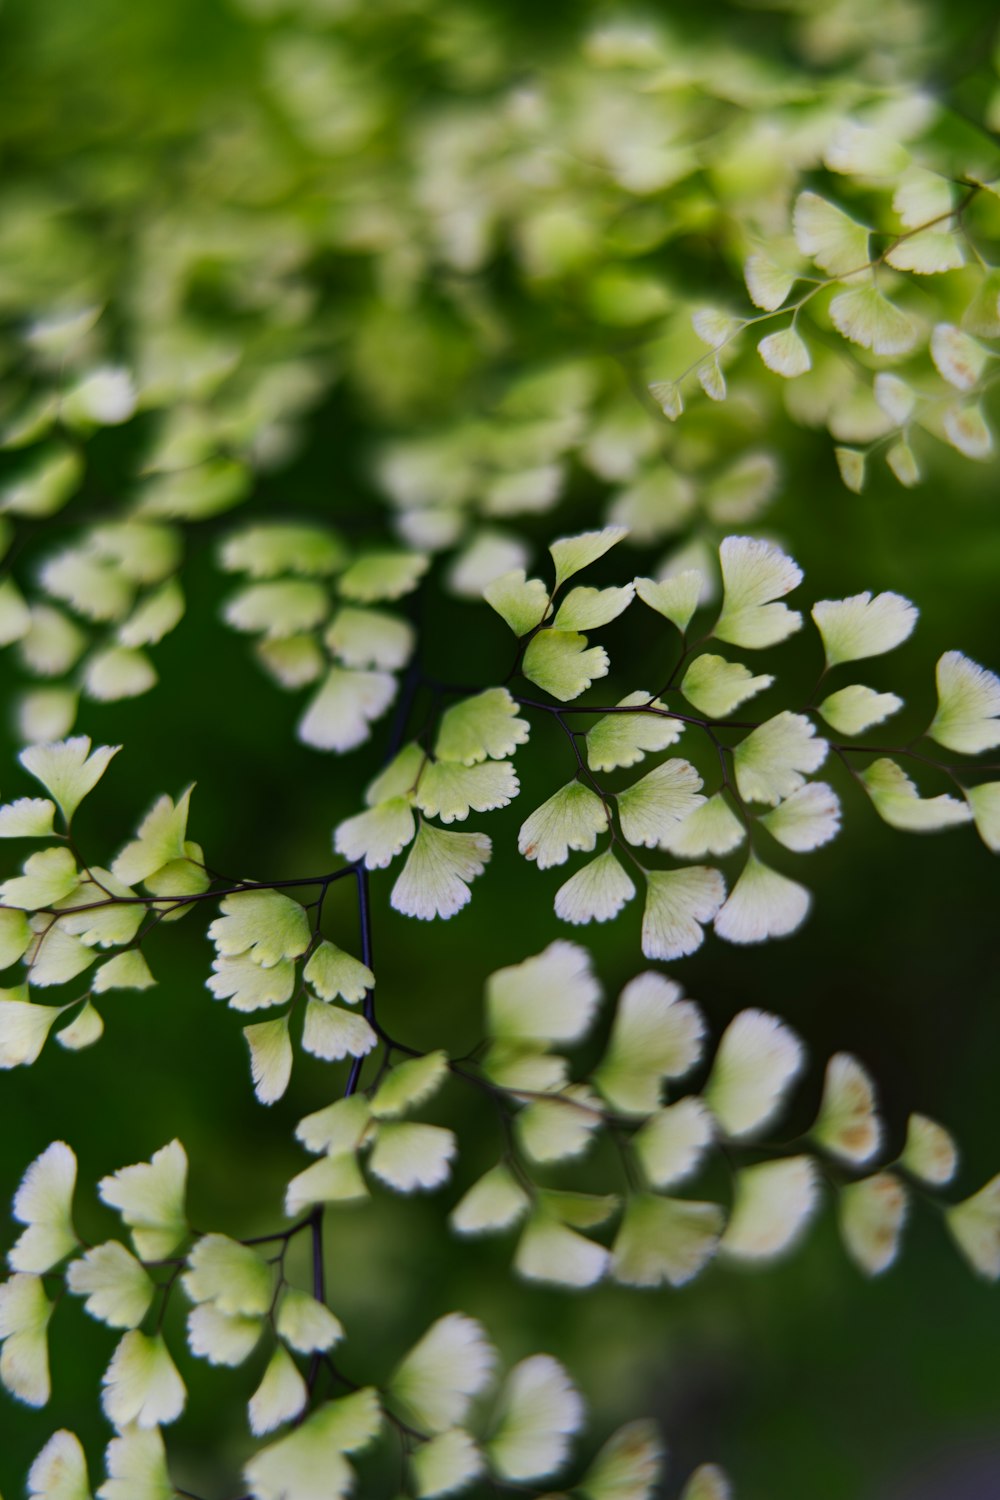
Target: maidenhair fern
{"type": "Point", "coordinates": [583, 318]}
{"type": "Point", "coordinates": [79, 924]}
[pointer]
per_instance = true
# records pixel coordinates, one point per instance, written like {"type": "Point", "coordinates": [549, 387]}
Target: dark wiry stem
{"type": "Point", "coordinates": [318, 1284]}
{"type": "Point", "coordinates": [215, 894]}
{"type": "Point", "coordinates": [364, 915]}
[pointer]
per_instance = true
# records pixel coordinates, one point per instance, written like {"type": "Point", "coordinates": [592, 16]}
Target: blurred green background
{"type": "Point", "coordinates": [801, 1379]}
